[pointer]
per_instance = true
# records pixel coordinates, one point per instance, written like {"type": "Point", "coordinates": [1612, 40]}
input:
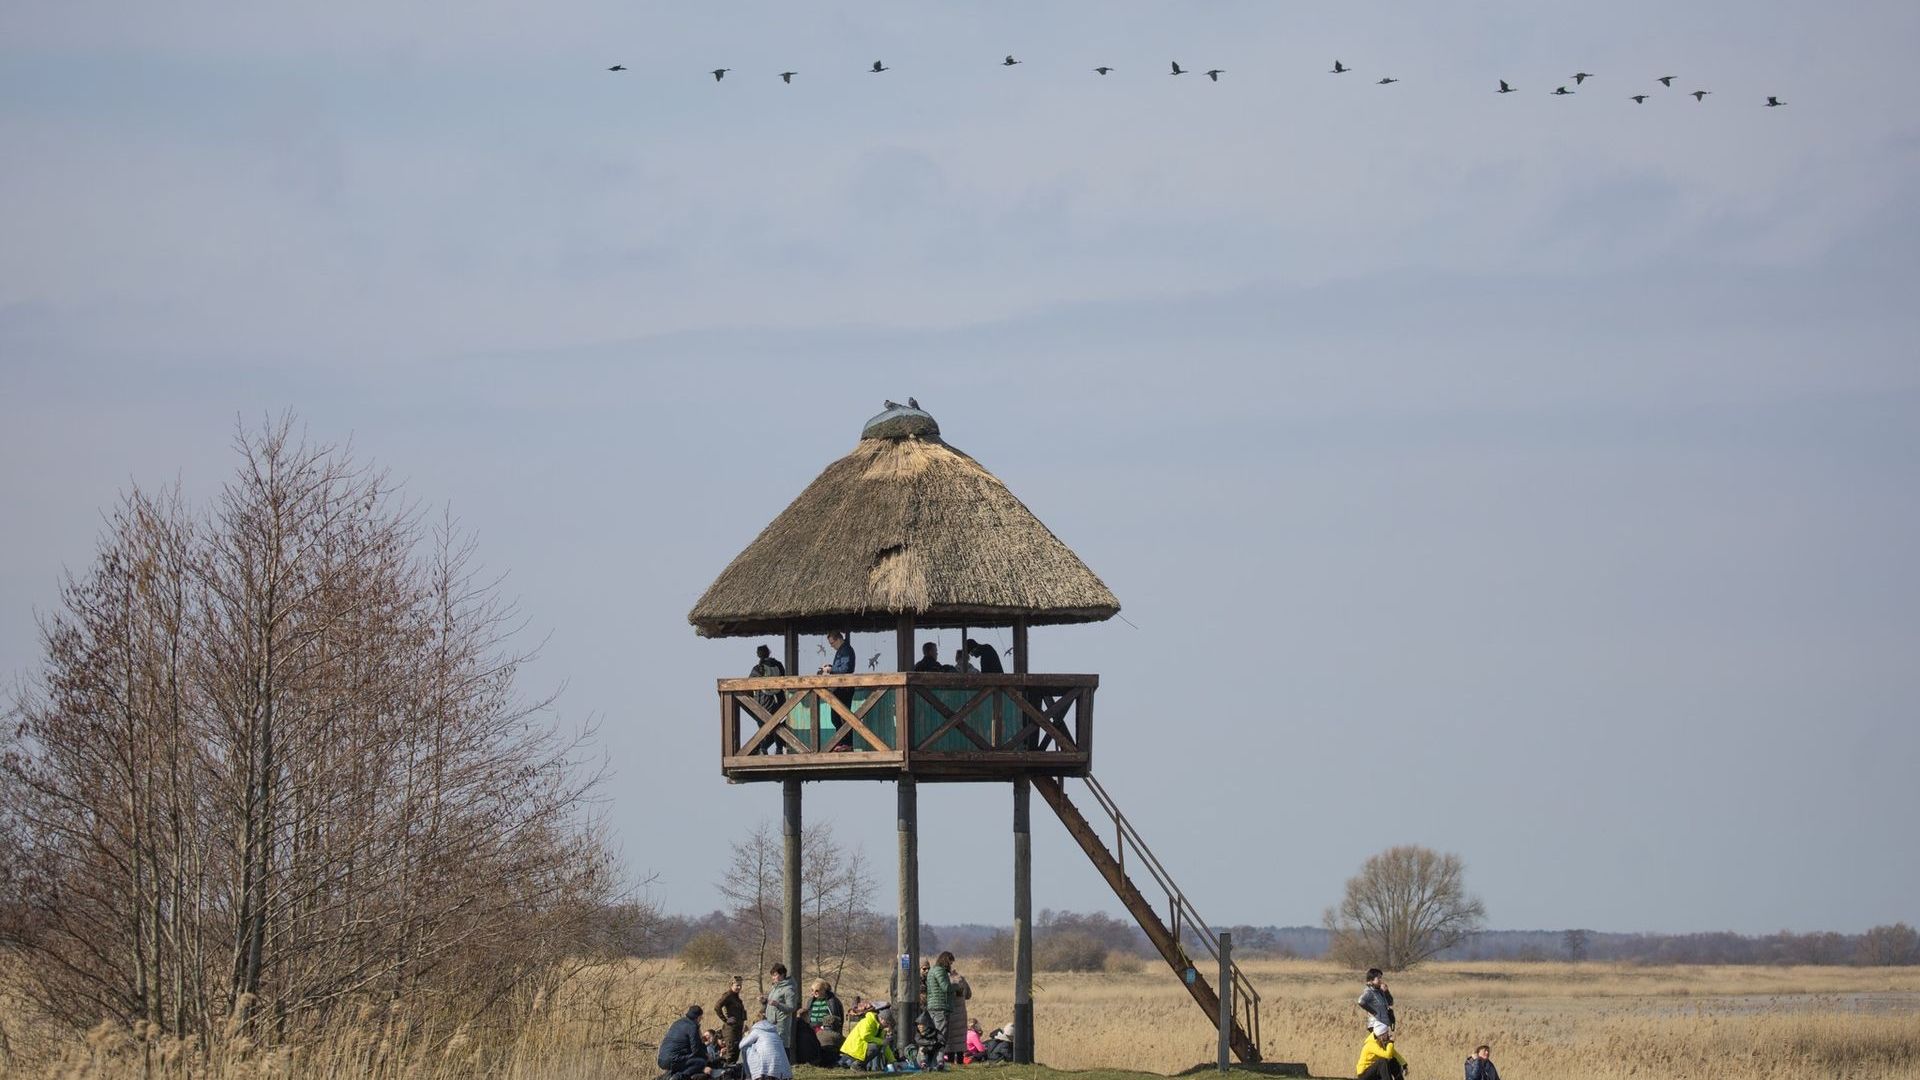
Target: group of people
{"type": "Point", "coordinates": [973, 657]}
{"type": "Point", "coordinates": [1380, 1059]}
{"type": "Point", "coordinates": [827, 1032]}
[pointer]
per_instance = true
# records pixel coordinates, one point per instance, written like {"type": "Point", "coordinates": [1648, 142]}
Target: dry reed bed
{"type": "Point", "coordinates": [1545, 1021]}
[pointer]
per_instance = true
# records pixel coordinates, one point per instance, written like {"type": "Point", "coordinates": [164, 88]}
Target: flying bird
{"type": "Point", "coordinates": [1666, 80]}
{"type": "Point", "coordinates": [1504, 88]}
{"type": "Point", "coordinates": [720, 73]}
{"type": "Point", "coordinates": [1103, 70]}
{"type": "Point", "coordinates": [912, 404]}
{"type": "Point", "coordinates": [1639, 99]}
{"type": "Point", "coordinates": [1774, 102]}
{"type": "Point", "coordinates": [618, 67]}
{"type": "Point", "coordinates": [1701, 95]}
{"type": "Point", "coordinates": [787, 77]}
{"type": "Point", "coordinates": [1177, 69]}
{"type": "Point", "coordinates": [1386, 80]}
{"type": "Point", "coordinates": [1581, 76]}
{"type": "Point", "coordinates": [1009, 61]}
{"type": "Point", "coordinates": [879, 67]}
{"type": "Point", "coordinates": [1339, 68]}
{"type": "Point", "coordinates": [1215, 74]}
{"type": "Point", "coordinates": [1562, 91]}
{"type": "Point", "coordinates": [873, 661]}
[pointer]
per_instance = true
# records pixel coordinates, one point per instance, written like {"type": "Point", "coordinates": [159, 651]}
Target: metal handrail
{"type": "Point", "coordinates": [1245, 996]}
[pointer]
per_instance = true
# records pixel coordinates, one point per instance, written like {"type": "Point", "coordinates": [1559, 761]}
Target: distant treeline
{"type": "Point", "coordinates": [1067, 940]}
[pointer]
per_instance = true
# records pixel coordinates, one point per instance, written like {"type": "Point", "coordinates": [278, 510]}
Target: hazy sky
{"type": "Point", "coordinates": [1533, 478]}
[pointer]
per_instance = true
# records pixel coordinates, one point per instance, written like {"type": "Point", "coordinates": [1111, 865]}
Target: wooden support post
{"type": "Point", "coordinates": [1020, 646]}
{"type": "Point", "coordinates": [906, 1006]}
{"type": "Point", "coordinates": [792, 658]}
{"type": "Point", "coordinates": [1226, 997]}
{"type": "Point", "coordinates": [790, 900]}
{"type": "Point", "coordinates": [1022, 921]}
{"type": "Point", "coordinates": [903, 644]}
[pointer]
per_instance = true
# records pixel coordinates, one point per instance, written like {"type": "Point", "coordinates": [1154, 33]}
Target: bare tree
{"type": "Point", "coordinates": [1889, 946]}
{"type": "Point", "coordinates": [837, 890]}
{"type": "Point", "coordinates": [1406, 904]}
{"type": "Point", "coordinates": [275, 765]}
{"type": "Point", "coordinates": [1576, 943]}
{"type": "Point", "coordinates": [751, 888]}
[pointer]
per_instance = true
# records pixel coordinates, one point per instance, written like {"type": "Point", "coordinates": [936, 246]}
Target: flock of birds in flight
{"type": "Point", "coordinates": [1579, 78]}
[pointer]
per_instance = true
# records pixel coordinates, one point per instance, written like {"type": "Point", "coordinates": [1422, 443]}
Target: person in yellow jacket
{"type": "Point", "coordinates": [866, 1045]}
{"type": "Point", "coordinates": [1379, 1058]}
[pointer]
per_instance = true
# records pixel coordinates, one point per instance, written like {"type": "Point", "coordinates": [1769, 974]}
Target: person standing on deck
{"type": "Point", "coordinates": [930, 659]}
{"type": "Point", "coordinates": [988, 659]}
{"type": "Point", "coordinates": [732, 1013]}
{"type": "Point", "coordinates": [841, 664]}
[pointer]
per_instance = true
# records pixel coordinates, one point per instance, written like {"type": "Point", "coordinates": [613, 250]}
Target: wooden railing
{"type": "Point", "coordinates": [929, 724]}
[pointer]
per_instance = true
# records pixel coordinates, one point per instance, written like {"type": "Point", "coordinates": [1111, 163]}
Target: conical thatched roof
{"type": "Point", "coordinates": [905, 524]}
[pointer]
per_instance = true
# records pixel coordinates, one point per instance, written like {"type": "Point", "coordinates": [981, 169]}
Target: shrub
{"type": "Point", "coordinates": [708, 951]}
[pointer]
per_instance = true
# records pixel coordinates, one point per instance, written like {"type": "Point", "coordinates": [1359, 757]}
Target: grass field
{"type": "Point", "coordinates": [1544, 1021]}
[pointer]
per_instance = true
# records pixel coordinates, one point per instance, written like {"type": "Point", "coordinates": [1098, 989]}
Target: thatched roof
{"type": "Point", "coordinates": [903, 524]}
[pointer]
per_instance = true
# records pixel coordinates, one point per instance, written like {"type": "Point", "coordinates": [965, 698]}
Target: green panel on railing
{"type": "Point", "coordinates": [927, 720]}
{"type": "Point", "coordinates": [879, 720]}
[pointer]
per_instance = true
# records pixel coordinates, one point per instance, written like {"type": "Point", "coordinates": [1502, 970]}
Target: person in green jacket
{"type": "Point", "coordinates": [940, 1003]}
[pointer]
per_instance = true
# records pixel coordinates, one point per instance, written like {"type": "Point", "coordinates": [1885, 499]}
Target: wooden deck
{"type": "Point", "coordinates": [932, 726]}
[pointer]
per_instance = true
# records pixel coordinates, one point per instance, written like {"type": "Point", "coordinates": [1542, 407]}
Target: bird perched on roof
{"type": "Point", "coordinates": [1701, 95]}
{"type": "Point", "coordinates": [1666, 80]}
{"type": "Point", "coordinates": [1339, 68]}
{"type": "Point", "coordinates": [1504, 88]}
{"type": "Point", "coordinates": [1639, 99]}
{"type": "Point", "coordinates": [618, 67]}
{"type": "Point", "coordinates": [1581, 76]}
{"type": "Point", "coordinates": [912, 404]}
{"type": "Point", "coordinates": [787, 77]}
{"type": "Point", "coordinates": [1009, 61]}
{"type": "Point", "coordinates": [878, 67]}
{"type": "Point", "coordinates": [889, 404]}
{"type": "Point", "coordinates": [1102, 70]}
{"type": "Point", "coordinates": [1386, 80]}
{"type": "Point", "coordinates": [1177, 69]}
{"type": "Point", "coordinates": [720, 73]}
{"type": "Point", "coordinates": [1215, 74]}
{"type": "Point", "coordinates": [1774, 102]}
{"type": "Point", "coordinates": [1562, 92]}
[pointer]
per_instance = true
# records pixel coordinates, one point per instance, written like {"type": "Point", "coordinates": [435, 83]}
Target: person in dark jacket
{"type": "Point", "coordinates": [682, 1056]}
{"type": "Point", "coordinates": [732, 1014]}
{"type": "Point", "coordinates": [930, 658]}
{"type": "Point", "coordinates": [1480, 1065]}
{"type": "Point", "coordinates": [986, 660]}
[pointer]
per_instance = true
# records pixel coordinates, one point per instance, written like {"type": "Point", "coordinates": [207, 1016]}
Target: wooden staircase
{"type": "Point", "coordinates": [1186, 924]}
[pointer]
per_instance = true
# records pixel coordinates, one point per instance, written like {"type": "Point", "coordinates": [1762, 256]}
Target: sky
{"type": "Point", "coordinates": [1528, 477]}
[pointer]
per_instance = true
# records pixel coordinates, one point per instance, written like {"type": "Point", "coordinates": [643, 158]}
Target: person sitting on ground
{"type": "Point", "coordinates": [989, 660]}
{"type": "Point", "coordinates": [976, 1043]}
{"type": "Point", "coordinates": [1376, 1000]}
{"type": "Point", "coordinates": [1379, 1058]}
{"type": "Point", "coordinates": [1000, 1044]}
{"type": "Point", "coordinates": [827, 1017]}
{"type": "Point", "coordinates": [928, 1044]}
{"type": "Point", "coordinates": [1480, 1065]}
{"type": "Point", "coordinates": [867, 1045]}
{"type": "Point", "coordinates": [930, 659]}
{"type": "Point", "coordinates": [682, 1055]}
{"type": "Point", "coordinates": [715, 1047]}
{"type": "Point", "coordinates": [762, 1055]}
